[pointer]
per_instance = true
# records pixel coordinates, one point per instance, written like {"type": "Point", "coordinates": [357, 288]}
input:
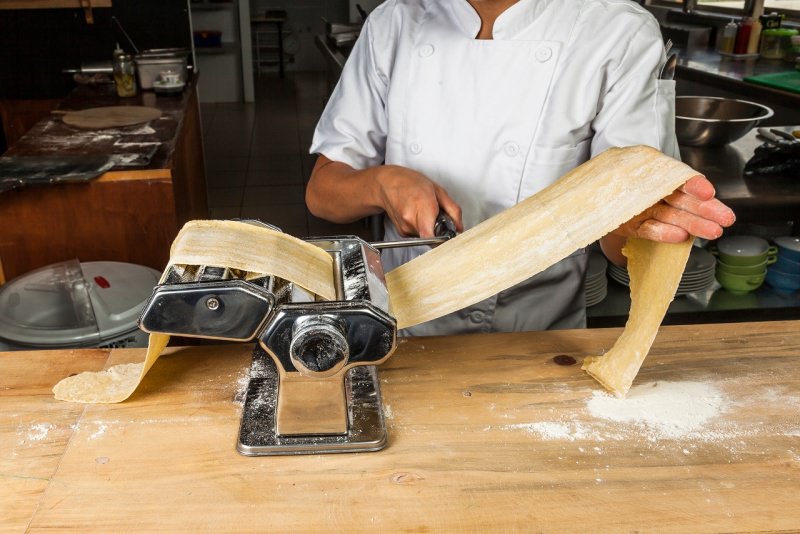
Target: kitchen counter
{"type": "Point", "coordinates": [486, 432]}
{"type": "Point", "coordinates": [710, 68]}
{"type": "Point", "coordinates": [127, 214]}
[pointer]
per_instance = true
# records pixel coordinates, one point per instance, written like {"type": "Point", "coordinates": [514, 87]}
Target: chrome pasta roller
{"type": "Point", "coordinates": [313, 384]}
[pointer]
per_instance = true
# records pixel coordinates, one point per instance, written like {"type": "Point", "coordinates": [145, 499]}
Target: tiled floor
{"type": "Point", "coordinates": [257, 161]}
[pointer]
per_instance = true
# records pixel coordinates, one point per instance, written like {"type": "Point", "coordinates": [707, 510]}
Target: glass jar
{"type": "Point", "coordinates": [124, 75]}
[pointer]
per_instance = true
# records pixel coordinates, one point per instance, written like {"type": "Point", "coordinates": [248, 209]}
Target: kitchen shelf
{"type": "Point", "coordinates": [226, 48]}
{"type": "Point", "coordinates": [269, 37]}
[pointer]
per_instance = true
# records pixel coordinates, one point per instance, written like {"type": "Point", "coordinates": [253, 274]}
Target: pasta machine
{"type": "Point", "coordinates": [313, 384]}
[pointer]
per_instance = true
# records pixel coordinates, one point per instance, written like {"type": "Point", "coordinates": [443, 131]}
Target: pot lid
{"type": "Point", "coordinates": [74, 304]}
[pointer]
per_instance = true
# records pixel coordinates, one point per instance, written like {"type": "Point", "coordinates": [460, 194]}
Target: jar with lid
{"type": "Point", "coordinates": [775, 42]}
{"type": "Point", "coordinates": [124, 73]}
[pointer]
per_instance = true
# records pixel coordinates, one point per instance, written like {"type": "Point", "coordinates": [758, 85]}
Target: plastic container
{"type": "Point", "coordinates": [151, 63]}
{"type": "Point", "coordinates": [124, 73]}
{"type": "Point", "coordinates": [206, 38]}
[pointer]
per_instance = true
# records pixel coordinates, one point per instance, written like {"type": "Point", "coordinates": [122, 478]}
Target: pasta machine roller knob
{"type": "Point", "coordinates": [319, 347]}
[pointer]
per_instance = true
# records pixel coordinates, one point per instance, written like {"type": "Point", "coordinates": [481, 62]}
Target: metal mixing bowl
{"type": "Point", "coordinates": [714, 121]}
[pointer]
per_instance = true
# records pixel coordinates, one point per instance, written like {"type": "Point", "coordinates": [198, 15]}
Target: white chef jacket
{"type": "Point", "coordinates": [495, 121]}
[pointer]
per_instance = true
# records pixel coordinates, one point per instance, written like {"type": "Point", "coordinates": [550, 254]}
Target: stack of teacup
{"type": "Point", "coordinates": [742, 262]}
{"type": "Point", "coordinates": [784, 274]}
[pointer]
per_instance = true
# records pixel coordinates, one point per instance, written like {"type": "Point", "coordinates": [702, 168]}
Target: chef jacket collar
{"type": "Point", "coordinates": [508, 25]}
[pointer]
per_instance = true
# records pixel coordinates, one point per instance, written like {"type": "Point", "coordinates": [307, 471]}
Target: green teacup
{"type": "Point", "coordinates": [757, 268]}
{"type": "Point", "coordinates": [739, 284]}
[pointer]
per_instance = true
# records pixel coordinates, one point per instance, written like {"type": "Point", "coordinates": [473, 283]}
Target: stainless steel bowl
{"type": "Point", "coordinates": [714, 121]}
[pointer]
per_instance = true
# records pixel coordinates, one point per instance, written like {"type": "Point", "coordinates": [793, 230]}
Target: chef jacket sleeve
{"type": "Point", "coordinates": [353, 126]}
{"type": "Point", "coordinates": [638, 108]}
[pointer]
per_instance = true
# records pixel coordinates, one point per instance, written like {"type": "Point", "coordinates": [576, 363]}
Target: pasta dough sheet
{"type": "Point", "coordinates": [581, 207]}
{"type": "Point", "coordinates": [256, 250]}
{"type": "Point", "coordinates": [655, 271]}
{"type": "Point", "coordinates": [584, 205]}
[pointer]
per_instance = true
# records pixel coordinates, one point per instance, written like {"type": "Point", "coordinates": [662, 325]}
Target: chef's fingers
{"type": "Point", "coordinates": [688, 222]}
{"type": "Point", "coordinates": [711, 209]}
{"type": "Point", "coordinates": [655, 230]}
{"type": "Point", "coordinates": [700, 187]}
{"type": "Point", "coordinates": [450, 207]}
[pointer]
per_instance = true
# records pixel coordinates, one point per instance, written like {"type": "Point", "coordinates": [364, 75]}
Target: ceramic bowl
{"type": "Point", "coordinates": [739, 284]}
{"type": "Point", "coordinates": [789, 247]}
{"type": "Point", "coordinates": [756, 268]}
{"type": "Point", "coordinates": [783, 282]}
{"type": "Point", "coordinates": [786, 265]}
{"type": "Point", "coordinates": [743, 250]}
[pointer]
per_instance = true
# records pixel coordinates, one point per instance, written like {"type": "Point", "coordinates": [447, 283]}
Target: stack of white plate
{"type": "Point", "coordinates": [698, 275]}
{"type": "Point", "coordinates": [596, 282]}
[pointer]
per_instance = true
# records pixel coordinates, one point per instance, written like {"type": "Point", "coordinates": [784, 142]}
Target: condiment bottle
{"type": "Point", "coordinates": [124, 73]}
{"type": "Point", "coordinates": [743, 36]}
{"type": "Point", "coordinates": [728, 38]}
{"type": "Point", "coordinates": [755, 38]}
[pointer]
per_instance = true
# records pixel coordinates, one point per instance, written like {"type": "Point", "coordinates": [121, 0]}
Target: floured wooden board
{"type": "Point", "coordinates": [584, 205]}
{"type": "Point", "coordinates": [487, 434]}
{"type": "Point", "coordinates": [110, 117]}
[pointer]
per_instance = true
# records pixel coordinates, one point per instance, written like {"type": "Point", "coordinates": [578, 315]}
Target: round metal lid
{"type": "Point", "coordinates": [74, 304]}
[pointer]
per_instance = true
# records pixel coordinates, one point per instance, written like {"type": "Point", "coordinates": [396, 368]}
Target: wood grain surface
{"type": "Point", "coordinates": [461, 453]}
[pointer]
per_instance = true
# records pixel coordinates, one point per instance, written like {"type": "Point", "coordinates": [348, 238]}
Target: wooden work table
{"type": "Point", "coordinates": [128, 214]}
{"type": "Point", "coordinates": [464, 451]}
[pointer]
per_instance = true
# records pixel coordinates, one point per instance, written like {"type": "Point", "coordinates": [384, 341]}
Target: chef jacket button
{"type": "Point", "coordinates": [415, 148]}
{"type": "Point", "coordinates": [544, 54]}
{"type": "Point", "coordinates": [477, 316]}
{"type": "Point", "coordinates": [426, 50]}
{"type": "Point", "coordinates": [511, 149]}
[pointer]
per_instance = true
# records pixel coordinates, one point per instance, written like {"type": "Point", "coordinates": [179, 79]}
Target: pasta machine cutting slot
{"type": "Point", "coordinates": [313, 381]}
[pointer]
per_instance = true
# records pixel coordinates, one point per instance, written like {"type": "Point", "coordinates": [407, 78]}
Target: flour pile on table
{"type": "Point", "coordinates": [663, 409]}
{"type": "Point", "coordinates": [653, 411]}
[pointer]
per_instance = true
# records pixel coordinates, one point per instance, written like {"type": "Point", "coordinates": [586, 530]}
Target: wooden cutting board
{"type": "Point", "coordinates": [110, 117]}
{"type": "Point", "coordinates": [486, 433]}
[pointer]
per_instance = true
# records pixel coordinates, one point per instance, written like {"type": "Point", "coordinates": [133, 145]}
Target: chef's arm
{"type": "Point", "coordinates": [692, 210]}
{"type": "Point", "coordinates": [339, 193]}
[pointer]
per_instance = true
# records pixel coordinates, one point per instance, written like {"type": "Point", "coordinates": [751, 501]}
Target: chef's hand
{"type": "Point", "coordinates": [339, 193]}
{"type": "Point", "coordinates": [692, 210]}
{"type": "Point", "coordinates": [412, 201]}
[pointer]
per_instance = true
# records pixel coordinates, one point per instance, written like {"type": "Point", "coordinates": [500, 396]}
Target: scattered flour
{"type": "Point", "coordinates": [664, 409]}
{"type": "Point", "coordinates": [656, 414]}
{"type": "Point", "coordinates": [101, 429]}
{"type": "Point", "coordinates": [39, 431]}
{"type": "Point", "coordinates": [554, 430]}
